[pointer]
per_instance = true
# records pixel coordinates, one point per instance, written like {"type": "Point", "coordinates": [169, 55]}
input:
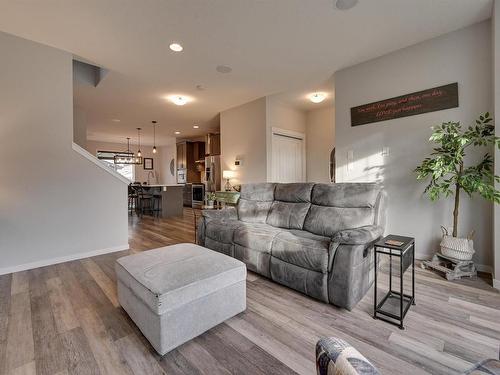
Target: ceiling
{"type": "Point", "coordinates": [272, 46]}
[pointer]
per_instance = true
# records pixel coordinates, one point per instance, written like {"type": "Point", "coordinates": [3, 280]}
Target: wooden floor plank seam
{"type": "Point", "coordinates": [74, 308]}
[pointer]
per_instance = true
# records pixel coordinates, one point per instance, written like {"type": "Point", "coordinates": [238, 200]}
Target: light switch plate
{"type": "Point", "coordinates": [385, 151]}
{"type": "Point", "coordinates": [350, 160]}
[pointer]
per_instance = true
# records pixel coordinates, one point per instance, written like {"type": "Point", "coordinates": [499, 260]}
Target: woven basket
{"type": "Point", "coordinates": [458, 248]}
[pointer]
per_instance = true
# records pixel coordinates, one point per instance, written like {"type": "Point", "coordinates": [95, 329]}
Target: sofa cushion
{"type": "Point", "coordinates": [255, 202]}
{"type": "Point", "coordinates": [287, 215]}
{"type": "Point", "coordinates": [303, 249]}
{"type": "Point", "coordinates": [263, 192]}
{"type": "Point", "coordinates": [294, 193]}
{"type": "Point", "coordinates": [253, 211]}
{"type": "Point", "coordinates": [257, 237]}
{"type": "Point", "coordinates": [290, 206]}
{"type": "Point", "coordinates": [326, 221]}
{"type": "Point", "coordinates": [222, 230]}
{"type": "Point", "coordinates": [336, 207]}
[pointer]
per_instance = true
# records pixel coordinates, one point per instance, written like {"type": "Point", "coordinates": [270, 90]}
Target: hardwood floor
{"type": "Point", "coordinates": [65, 319]}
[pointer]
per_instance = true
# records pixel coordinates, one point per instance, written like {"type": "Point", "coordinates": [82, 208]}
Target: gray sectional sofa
{"type": "Point", "coordinates": [315, 238]}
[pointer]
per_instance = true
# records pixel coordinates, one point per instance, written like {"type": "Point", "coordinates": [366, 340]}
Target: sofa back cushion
{"type": "Point", "coordinates": [290, 206]}
{"type": "Point", "coordinates": [255, 202]}
{"type": "Point", "coordinates": [336, 207]}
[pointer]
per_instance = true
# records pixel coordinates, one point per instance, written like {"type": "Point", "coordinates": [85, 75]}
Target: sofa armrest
{"type": "Point", "coordinates": [335, 356]}
{"type": "Point", "coordinates": [228, 213]}
{"type": "Point", "coordinates": [358, 236]}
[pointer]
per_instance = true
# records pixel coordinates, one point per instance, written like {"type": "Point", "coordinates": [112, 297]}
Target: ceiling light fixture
{"type": "Point", "coordinates": [154, 136]}
{"type": "Point", "coordinates": [115, 120]}
{"type": "Point", "coordinates": [177, 132]}
{"type": "Point", "coordinates": [178, 99]}
{"type": "Point", "coordinates": [196, 127]}
{"type": "Point", "coordinates": [176, 47]}
{"type": "Point", "coordinates": [345, 4]}
{"type": "Point", "coordinates": [139, 142]}
{"type": "Point", "coordinates": [224, 69]}
{"type": "Point", "coordinates": [127, 157]}
{"type": "Point", "coordinates": [317, 97]}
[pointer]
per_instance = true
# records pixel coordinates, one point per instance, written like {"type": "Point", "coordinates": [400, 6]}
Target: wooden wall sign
{"type": "Point", "coordinates": [435, 99]}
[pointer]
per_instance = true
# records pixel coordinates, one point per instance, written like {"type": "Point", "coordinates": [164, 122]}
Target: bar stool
{"type": "Point", "coordinates": [145, 199]}
{"type": "Point", "coordinates": [133, 198]}
{"type": "Point", "coordinates": [157, 197]}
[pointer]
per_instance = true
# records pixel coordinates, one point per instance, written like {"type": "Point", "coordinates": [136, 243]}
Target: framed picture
{"type": "Point", "coordinates": [148, 163]}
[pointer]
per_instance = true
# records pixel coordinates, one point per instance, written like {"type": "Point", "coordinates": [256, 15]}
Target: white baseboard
{"type": "Point", "coordinates": [496, 284]}
{"type": "Point", "coordinates": [68, 258]}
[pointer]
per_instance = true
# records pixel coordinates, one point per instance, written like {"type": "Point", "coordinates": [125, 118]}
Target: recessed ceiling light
{"type": "Point", "coordinates": [224, 69]}
{"type": "Point", "coordinates": [177, 132]}
{"type": "Point", "coordinates": [317, 97]}
{"type": "Point", "coordinates": [345, 4]}
{"type": "Point", "coordinates": [196, 127]}
{"type": "Point", "coordinates": [115, 120]}
{"type": "Point", "coordinates": [178, 99]}
{"type": "Point", "coordinates": [176, 47]}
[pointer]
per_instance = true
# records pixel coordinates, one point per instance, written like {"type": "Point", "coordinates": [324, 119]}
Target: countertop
{"type": "Point", "coordinates": [162, 185]}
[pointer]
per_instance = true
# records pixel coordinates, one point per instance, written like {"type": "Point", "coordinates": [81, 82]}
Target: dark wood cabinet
{"type": "Point", "coordinates": [181, 155]}
{"type": "Point", "coordinates": [212, 144]}
{"type": "Point", "coordinates": [188, 154]}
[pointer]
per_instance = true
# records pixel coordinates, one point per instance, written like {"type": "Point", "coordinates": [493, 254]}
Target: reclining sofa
{"type": "Point", "coordinates": [315, 238]}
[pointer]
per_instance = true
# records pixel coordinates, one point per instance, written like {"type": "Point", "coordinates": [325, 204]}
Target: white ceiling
{"type": "Point", "coordinates": [272, 46]}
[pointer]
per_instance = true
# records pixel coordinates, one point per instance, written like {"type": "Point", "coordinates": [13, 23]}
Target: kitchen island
{"type": "Point", "coordinates": [171, 198]}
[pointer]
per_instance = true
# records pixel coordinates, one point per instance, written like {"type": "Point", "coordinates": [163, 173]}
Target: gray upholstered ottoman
{"type": "Point", "coordinates": [177, 292]}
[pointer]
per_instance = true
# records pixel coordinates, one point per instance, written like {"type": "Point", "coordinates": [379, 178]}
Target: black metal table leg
{"type": "Point", "coordinates": [375, 285]}
{"type": "Point", "coordinates": [401, 293]}
{"type": "Point", "coordinates": [390, 271]}
{"type": "Point", "coordinates": [413, 277]}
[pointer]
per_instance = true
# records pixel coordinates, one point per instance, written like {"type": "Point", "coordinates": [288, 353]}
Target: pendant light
{"type": "Point", "coordinates": [154, 137]}
{"type": "Point", "coordinates": [139, 142]}
{"type": "Point", "coordinates": [127, 157]}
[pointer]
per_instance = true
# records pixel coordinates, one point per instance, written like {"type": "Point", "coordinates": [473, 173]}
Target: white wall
{"type": "Point", "coordinates": [496, 107]}
{"type": "Point", "coordinates": [283, 116]}
{"type": "Point", "coordinates": [166, 154]}
{"type": "Point", "coordinates": [79, 127]}
{"type": "Point", "coordinates": [320, 137]}
{"type": "Point", "coordinates": [54, 204]}
{"type": "Point", "coordinates": [243, 135]}
{"type": "Point", "coordinates": [463, 56]}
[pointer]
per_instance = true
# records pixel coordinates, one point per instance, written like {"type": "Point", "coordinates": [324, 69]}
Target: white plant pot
{"type": "Point", "coordinates": [455, 247]}
{"type": "Point", "coordinates": [210, 203]}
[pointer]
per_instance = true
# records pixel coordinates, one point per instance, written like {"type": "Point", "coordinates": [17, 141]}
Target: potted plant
{"type": "Point", "coordinates": [210, 198]}
{"type": "Point", "coordinates": [449, 175]}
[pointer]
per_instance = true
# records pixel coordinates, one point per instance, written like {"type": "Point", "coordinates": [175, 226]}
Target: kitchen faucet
{"type": "Point", "coordinates": [149, 175]}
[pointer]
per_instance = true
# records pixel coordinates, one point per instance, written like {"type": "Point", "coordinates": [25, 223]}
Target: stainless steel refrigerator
{"type": "Point", "coordinates": [213, 173]}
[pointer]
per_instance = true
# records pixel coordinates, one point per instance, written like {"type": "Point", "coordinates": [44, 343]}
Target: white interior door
{"type": "Point", "coordinates": [288, 158]}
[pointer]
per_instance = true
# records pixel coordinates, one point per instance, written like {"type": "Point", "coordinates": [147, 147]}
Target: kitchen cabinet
{"type": "Point", "coordinates": [212, 144]}
{"type": "Point", "coordinates": [181, 155]}
{"type": "Point", "coordinates": [188, 153]}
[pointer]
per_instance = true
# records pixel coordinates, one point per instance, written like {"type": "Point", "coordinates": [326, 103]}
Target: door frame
{"type": "Point", "coordinates": [291, 134]}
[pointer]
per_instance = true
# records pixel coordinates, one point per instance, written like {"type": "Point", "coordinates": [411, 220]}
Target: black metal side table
{"type": "Point", "coordinates": [395, 304]}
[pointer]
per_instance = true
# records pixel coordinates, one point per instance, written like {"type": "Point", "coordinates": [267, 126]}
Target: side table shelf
{"type": "Point", "coordinates": [393, 307]}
